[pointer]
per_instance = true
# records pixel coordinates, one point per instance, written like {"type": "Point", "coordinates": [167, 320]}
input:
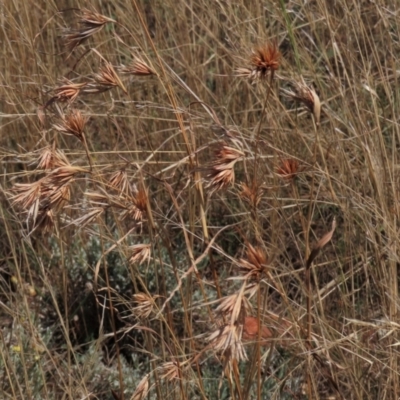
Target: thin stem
{"type": "Point", "coordinates": [268, 91]}
{"type": "Point", "coordinates": [85, 146]}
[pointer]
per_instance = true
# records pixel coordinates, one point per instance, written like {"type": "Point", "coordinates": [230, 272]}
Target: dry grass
{"type": "Point", "coordinates": [199, 200]}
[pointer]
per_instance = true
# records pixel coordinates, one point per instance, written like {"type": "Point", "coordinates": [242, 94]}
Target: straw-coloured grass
{"type": "Point", "coordinates": [199, 200]}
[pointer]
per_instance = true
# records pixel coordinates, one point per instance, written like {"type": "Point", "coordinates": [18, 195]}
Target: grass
{"type": "Point", "coordinates": [199, 200]}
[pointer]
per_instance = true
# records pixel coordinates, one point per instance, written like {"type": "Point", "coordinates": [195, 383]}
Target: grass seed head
{"type": "Point", "coordinates": [264, 61]}
{"type": "Point", "coordinates": [97, 198]}
{"type": "Point", "coordinates": [140, 253]}
{"type": "Point", "coordinates": [252, 195]}
{"type": "Point", "coordinates": [137, 67]}
{"type": "Point", "coordinates": [56, 190]}
{"type": "Point", "coordinates": [73, 124]}
{"type": "Point", "coordinates": [142, 389]}
{"type": "Point", "coordinates": [63, 175]}
{"type": "Point", "coordinates": [144, 305]}
{"type": "Point", "coordinates": [88, 217]}
{"type": "Point", "coordinates": [46, 158]}
{"type": "Point", "coordinates": [28, 197]}
{"type": "Point", "coordinates": [288, 169]}
{"type": "Point", "coordinates": [49, 193]}
{"type": "Point", "coordinates": [90, 23]}
{"type": "Point", "coordinates": [92, 19]}
{"type": "Point", "coordinates": [226, 154]}
{"type": "Point", "coordinates": [108, 78]}
{"type": "Point", "coordinates": [266, 58]}
{"type": "Point", "coordinates": [119, 180]}
{"type": "Point", "coordinates": [56, 197]}
{"type": "Point", "coordinates": [45, 221]}
{"type": "Point", "coordinates": [50, 158]}
{"type": "Point", "coordinates": [234, 306]}
{"type": "Point", "coordinates": [255, 265]}
{"type": "Point", "coordinates": [136, 206]}
{"type": "Point", "coordinates": [308, 96]}
{"type": "Point", "coordinates": [67, 92]}
{"type": "Point", "coordinates": [227, 339]}
{"type": "Point", "coordinates": [222, 174]}
{"type": "Point", "coordinates": [141, 199]}
{"type": "Point", "coordinates": [221, 178]}
{"type": "Point", "coordinates": [170, 371]}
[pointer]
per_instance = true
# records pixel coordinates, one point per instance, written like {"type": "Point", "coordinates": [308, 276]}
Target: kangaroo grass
{"type": "Point", "coordinates": [169, 172]}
